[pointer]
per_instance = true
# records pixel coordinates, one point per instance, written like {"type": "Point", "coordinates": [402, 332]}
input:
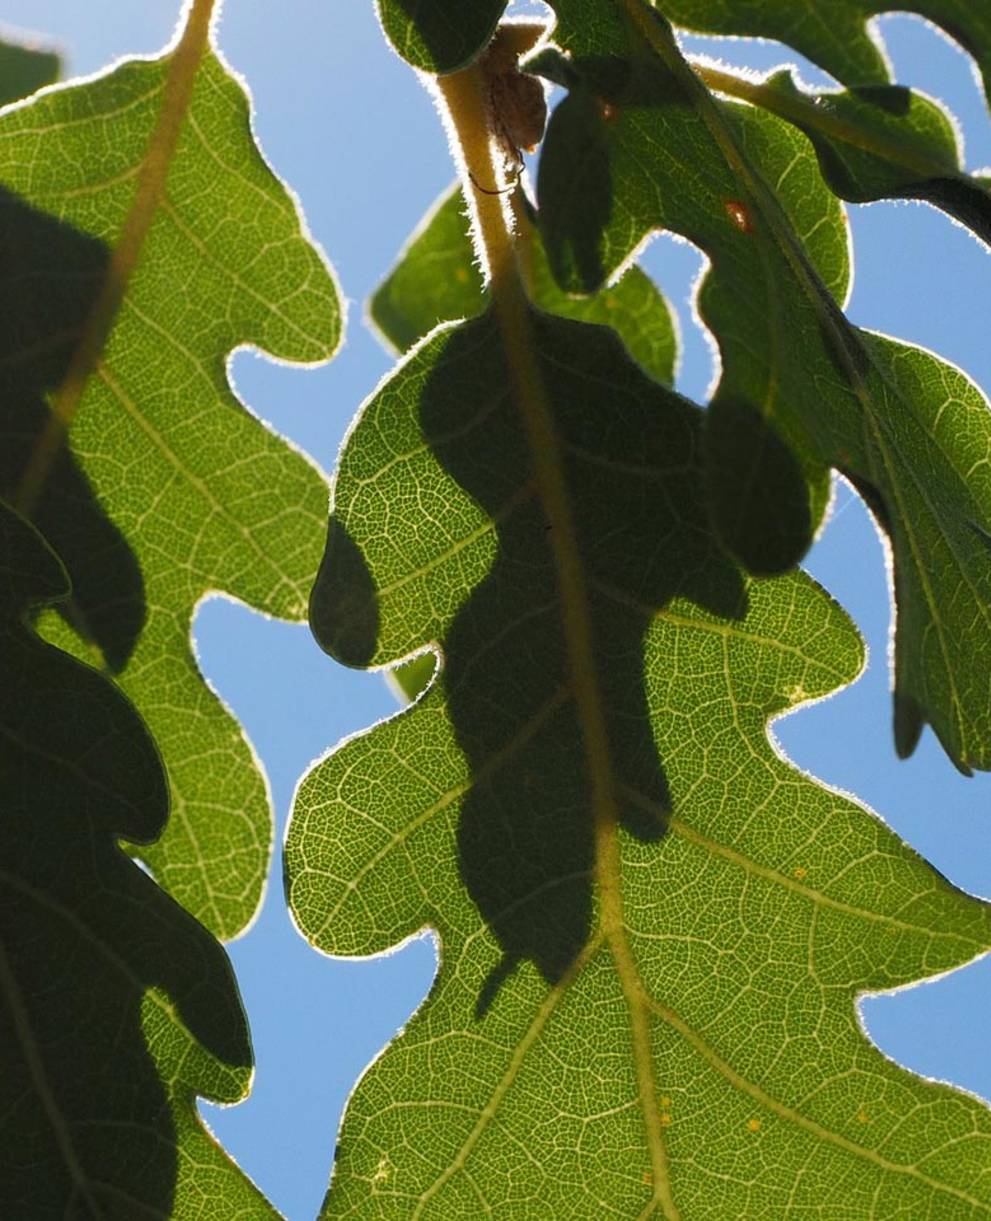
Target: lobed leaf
{"type": "Point", "coordinates": [837, 36]}
{"type": "Point", "coordinates": [639, 144]}
{"type": "Point", "coordinates": [116, 1007]}
{"type": "Point", "coordinates": [653, 929]}
{"type": "Point", "coordinates": [437, 280]}
{"type": "Point", "coordinates": [168, 488]}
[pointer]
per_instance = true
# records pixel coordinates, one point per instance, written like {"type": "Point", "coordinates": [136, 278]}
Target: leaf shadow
{"type": "Point", "coordinates": [631, 451]}
{"type": "Point", "coordinates": [50, 274]}
{"type": "Point", "coordinates": [85, 934]}
{"type": "Point", "coordinates": [596, 193]}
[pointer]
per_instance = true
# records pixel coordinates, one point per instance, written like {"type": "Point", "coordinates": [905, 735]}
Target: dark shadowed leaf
{"type": "Point", "coordinates": [116, 1007]}
{"type": "Point", "coordinates": [24, 69]}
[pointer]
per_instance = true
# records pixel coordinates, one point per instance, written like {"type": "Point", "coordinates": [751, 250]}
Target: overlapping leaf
{"type": "Point", "coordinates": [439, 35]}
{"type": "Point", "coordinates": [25, 69]}
{"type": "Point", "coordinates": [639, 144]}
{"type": "Point", "coordinates": [875, 142]}
{"type": "Point", "coordinates": [116, 1007]}
{"type": "Point", "coordinates": [168, 488]}
{"type": "Point", "coordinates": [437, 280]}
{"type": "Point", "coordinates": [653, 1021]}
{"type": "Point", "coordinates": [836, 35]}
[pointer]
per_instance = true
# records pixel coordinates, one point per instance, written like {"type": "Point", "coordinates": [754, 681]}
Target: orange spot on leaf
{"type": "Point", "coordinates": [739, 214]}
{"type": "Point", "coordinates": [753, 1125]}
{"type": "Point", "coordinates": [799, 872]}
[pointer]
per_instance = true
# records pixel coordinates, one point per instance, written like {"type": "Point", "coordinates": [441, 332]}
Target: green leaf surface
{"type": "Point", "coordinates": [653, 929]}
{"type": "Point", "coordinates": [876, 142]}
{"type": "Point", "coordinates": [437, 280]}
{"type": "Point", "coordinates": [412, 677]}
{"type": "Point", "coordinates": [116, 1007]}
{"type": "Point", "coordinates": [639, 144]}
{"type": "Point", "coordinates": [168, 488]}
{"type": "Point", "coordinates": [439, 35]}
{"type": "Point", "coordinates": [835, 34]}
{"type": "Point", "coordinates": [24, 69]}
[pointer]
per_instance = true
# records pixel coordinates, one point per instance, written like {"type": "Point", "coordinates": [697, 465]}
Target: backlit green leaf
{"type": "Point", "coordinates": [437, 280]}
{"type": "Point", "coordinates": [653, 930]}
{"type": "Point", "coordinates": [639, 144]}
{"type": "Point", "coordinates": [876, 142]}
{"type": "Point", "coordinates": [835, 34]}
{"type": "Point", "coordinates": [439, 35]}
{"type": "Point", "coordinates": [116, 1007]}
{"type": "Point", "coordinates": [168, 488]}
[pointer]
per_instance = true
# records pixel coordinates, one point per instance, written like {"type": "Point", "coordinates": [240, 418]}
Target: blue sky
{"type": "Point", "coordinates": [355, 135]}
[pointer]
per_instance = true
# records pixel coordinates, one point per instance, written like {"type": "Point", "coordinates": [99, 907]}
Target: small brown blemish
{"type": "Point", "coordinates": [753, 1125]}
{"type": "Point", "coordinates": [739, 214]}
{"type": "Point", "coordinates": [665, 1119]}
{"type": "Point", "coordinates": [461, 275]}
{"type": "Point", "coordinates": [648, 1178]}
{"type": "Point", "coordinates": [607, 111]}
{"type": "Point", "coordinates": [799, 872]}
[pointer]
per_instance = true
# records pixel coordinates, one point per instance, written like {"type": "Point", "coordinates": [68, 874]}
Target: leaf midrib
{"type": "Point", "coordinates": [177, 94]}
{"type": "Point", "coordinates": [674, 1020]}
{"type": "Point", "coordinates": [547, 463]}
{"type": "Point", "coordinates": [464, 95]}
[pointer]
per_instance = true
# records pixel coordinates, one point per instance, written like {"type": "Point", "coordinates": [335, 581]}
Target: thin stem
{"type": "Point", "coordinates": [464, 96]}
{"type": "Point", "coordinates": [176, 95]}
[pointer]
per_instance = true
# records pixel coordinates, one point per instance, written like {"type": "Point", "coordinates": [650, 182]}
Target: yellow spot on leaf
{"type": "Point", "coordinates": [461, 275]}
{"type": "Point", "coordinates": [799, 872]}
{"type": "Point", "coordinates": [665, 1119]}
{"type": "Point", "coordinates": [863, 1117]}
{"type": "Point", "coordinates": [665, 1102]}
{"type": "Point", "coordinates": [648, 1178]}
{"type": "Point", "coordinates": [753, 1125]}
